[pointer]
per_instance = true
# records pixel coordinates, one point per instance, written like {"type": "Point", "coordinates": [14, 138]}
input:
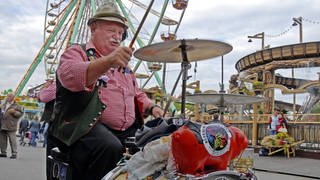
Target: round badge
{"type": "Point", "coordinates": [216, 138]}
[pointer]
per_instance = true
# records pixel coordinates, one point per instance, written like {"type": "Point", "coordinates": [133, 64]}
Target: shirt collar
{"type": "Point", "coordinates": [90, 45]}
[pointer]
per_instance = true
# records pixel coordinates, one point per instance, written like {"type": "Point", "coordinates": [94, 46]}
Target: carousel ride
{"type": "Point", "coordinates": [259, 69]}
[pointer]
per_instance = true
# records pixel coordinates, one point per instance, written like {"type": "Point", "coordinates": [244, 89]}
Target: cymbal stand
{"type": "Point", "coordinates": [172, 92]}
{"type": "Point", "coordinates": [185, 65]}
{"type": "Point", "coordinates": [222, 91]}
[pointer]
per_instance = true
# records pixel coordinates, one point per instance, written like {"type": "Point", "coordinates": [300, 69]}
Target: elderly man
{"type": "Point", "coordinates": [95, 100]}
{"type": "Point", "coordinates": [9, 126]}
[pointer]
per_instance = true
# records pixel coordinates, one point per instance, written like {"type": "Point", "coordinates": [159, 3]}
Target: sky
{"type": "Point", "coordinates": [229, 21]}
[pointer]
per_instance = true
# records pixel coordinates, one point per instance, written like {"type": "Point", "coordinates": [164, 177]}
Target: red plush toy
{"type": "Point", "coordinates": [198, 149]}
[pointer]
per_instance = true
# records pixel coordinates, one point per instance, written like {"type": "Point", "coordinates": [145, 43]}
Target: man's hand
{"type": "Point", "coordinates": [11, 111]}
{"type": "Point", "coordinates": [15, 113]}
{"type": "Point", "coordinates": [120, 57]}
{"type": "Point", "coordinates": [157, 112]}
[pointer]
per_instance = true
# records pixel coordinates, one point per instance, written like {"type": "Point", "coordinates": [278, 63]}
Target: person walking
{"type": "Point", "coordinates": [273, 123]}
{"type": "Point", "coordinates": [216, 118]}
{"type": "Point", "coordinates": [23, 128]}
{"type": "Point", "coordinates": [9, 126]}
{"type": "Point", "coordinates": [43, 131]}
{"type": "Point", "coordinates": [96, 98]}
{"type": "Point", "coordinates": [34, 128]}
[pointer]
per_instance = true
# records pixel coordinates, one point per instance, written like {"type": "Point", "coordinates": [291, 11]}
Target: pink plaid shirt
{"type": "Point", "coordinates": [48, 94]}
{"type": "Point", "coordinates": [118, 94]}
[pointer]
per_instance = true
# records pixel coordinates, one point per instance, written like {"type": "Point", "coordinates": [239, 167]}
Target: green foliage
{"type": "Point", "coordinates": [188, 106]}
{"type": "Point", "coordinates": [5, 92]}
{"type": "Point", "coordinates": [246, 91]}
{"type": "Point", "coordinates": [316, 109]}
{"type": "Point", "coordinates": [197, 90]}
{"type": "Point", "coordinates": [257, 85]}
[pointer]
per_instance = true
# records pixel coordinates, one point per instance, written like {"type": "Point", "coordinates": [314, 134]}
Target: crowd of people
{"type": "Point", "coordinates": [13, 122]}
{"type": "Point", "coordinates": [33, 130]}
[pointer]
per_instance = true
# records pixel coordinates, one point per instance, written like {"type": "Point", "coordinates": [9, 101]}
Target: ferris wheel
{"type": "Point", "coordinates": [66, 24]}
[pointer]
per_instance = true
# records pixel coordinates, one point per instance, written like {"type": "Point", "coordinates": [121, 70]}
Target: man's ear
{"type": "Point", "coordinates": [93, 27]}
{"type": "Point", "coordinates": [124, 35]}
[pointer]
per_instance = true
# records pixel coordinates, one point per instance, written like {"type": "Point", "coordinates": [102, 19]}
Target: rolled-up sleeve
{"type": "Point", "coordinates": [144, 99]}
{"type": "Point", "coordinates": [72, 71]}
{"type": "Point", "coordinates": [48, 94]}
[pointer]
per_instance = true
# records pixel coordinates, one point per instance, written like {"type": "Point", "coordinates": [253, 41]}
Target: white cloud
{"type": "Point", "coordinates": [20, 40]}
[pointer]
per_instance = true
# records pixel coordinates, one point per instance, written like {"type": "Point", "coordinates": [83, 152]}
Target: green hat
{"type": "Point", "coordinates": [109, 12]}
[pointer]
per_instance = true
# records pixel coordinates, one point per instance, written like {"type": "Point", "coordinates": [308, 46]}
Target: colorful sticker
{"type": "Point", "coordinates": [216, 138]}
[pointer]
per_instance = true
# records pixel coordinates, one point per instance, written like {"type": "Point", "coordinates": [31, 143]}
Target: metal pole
{"type": "Point", "coordinates": [163, 89]}
{"type": "Point", "coordinates": [222, 84]}
{"type": "Point", "coordinates": [262, 37]}
{"type": "Point", "coordinates": [298, 21]}
{"type": "Point", "coordinates": [145, 83]}
{"type": "Point", "coordinates": [300, 29]}
{"type": "Point", "coordinates": [172, 92]}
{"type": "Point", "coordinates": [222, 92]}
{"type": "Point", "coordinates": [184, 66]}
{"type": "Point", "coordinates": [258, 36]}
{"type": "Point", "coordinates": [294, 95]}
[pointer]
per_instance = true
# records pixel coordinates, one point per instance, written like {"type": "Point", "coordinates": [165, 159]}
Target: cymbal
{"type": "Point", "coordinates": [170, 51]}
{"type": "Point", "coordinates": [228, 99]}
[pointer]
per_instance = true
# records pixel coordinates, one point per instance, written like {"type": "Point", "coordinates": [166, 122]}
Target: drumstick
{"type": "Point", "coordinates": [141, 23]}
{"type": "Point", "coordinates": [139, 28]}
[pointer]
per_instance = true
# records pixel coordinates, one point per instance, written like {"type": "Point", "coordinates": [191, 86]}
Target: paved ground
{"type": "Point", "coordinates": [30, 165]}
{"type": "Point", "coordinates": [277, 166]}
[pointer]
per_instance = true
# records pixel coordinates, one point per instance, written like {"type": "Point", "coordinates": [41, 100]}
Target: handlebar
{"type": "Point", "coordinates": [152, 130]}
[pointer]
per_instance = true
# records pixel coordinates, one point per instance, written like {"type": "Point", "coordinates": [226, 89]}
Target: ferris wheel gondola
{"type": "Point", "coordinates": [180, 4]}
